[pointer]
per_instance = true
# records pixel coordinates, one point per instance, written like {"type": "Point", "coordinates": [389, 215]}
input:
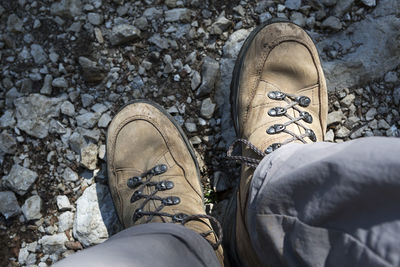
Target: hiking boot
{"type": "Point", "coordinates": [153, 172]}
{"type": "Point", "coordinates": [278, 96]}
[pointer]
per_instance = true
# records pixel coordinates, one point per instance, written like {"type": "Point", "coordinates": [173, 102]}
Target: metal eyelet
{"type": "Point", "coordinates": [306, 116]}
{"type": "Point", "coordinates": [178, 217]}
{"type": "Point", "coordinates": [159, 169]}
{"type": "Point", "coordinates": [134, 182]}
{"type": "Point", "coordinates": [303, 101]}
{"type": "Point", "coordinates": [276, 128]}
{"type": "Point", "coordinates": [136, 196]}
{"type": "Point", "coordinates": [272, 148]}
{"type": "Point", "coordinates": [276, 95]}
{"type": "Point", "coordinates": [311, 135]}
{"type": "Point", "coordinates": [137, 214]}
{"type": "Point", "coordinates": [277, 111]}
{"type": "Point", "coordinates": [169, 201]}
{"type": "Point", "coordinates": [165, 185]}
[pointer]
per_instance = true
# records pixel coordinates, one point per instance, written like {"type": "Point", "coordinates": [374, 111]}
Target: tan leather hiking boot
{"type": "Point", "coordinates": [278, 96]}
{"type": "Point", "coordinates": [153, 172]}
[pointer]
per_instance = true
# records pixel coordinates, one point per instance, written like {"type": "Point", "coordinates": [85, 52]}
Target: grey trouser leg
{"type": "Point", "coordinates": [328, 204]}
{"type": "Point", "coordinates": [153, 244]}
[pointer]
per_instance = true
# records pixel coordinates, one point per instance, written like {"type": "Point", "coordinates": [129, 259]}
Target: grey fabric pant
{"type": "Point", "coordinates": [320, 204]}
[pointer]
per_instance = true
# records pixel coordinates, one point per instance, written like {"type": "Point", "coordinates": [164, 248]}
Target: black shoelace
{"type": "Point", "coordinates": [145, 180]}
{"type": "Point", "coordinates": [293, 102]}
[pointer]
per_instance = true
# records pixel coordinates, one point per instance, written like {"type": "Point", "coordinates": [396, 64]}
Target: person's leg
{"type": "Point", "coordinates": [327, 204]}
{"type": "Point", "coordinates": [152, 244]}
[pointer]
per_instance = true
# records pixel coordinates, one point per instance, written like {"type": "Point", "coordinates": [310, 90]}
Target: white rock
{"type": "Point", "coordinates": [342, 132]}
{"type": "Point", "coordinates": [69, 175]}
{"type": "Point", "coordinates": [67, 108]}
{"type": "Point", "coordinates": [53, 244]}
{"type": "Point", "coordinates": [102, 152]}
{"type": "Point", "coordinates": [23, 255]}
{"type": "Point", "coordinates": [20, 179]}
{"type": "Point", "coordinates": [31, 208]}
{"type": "Point", "coordinates": [233, 45]}
{"type": "Point", "coordinates": [63, 203]}
{"type": "Point", "coordinates": [94, 215]}
{"type": "Point", "coordinates": [32, 247]}
{"type": "Point", "coordinates": [207, 108]}
{"type": "Point", "coordinates": [65, 221]}
{"type": "Point", "coordinates": [329, 136]}
{"type": "Point", "coordinates": [348, 100]}
{"type": "Point", "coordinates": [89, 156]}
{"type": "Point", "coordinates": [335, 117]}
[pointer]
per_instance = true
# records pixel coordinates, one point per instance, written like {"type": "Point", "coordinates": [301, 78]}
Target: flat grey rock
{"type": "Point", "coordinates": [177, 14]}
{"type": "Point", "coordinates": [66, 8]}
{"type": "Point", "coordinates": [32, 208]}
{"type": "Point", "coordinates": [124, 33]}
{"type": "Point", "coordinates": [365, 59]}
{"type": "Point", "coordinates": [20, 179]}
{"type": "Point", "coordinates": [53, 244]}
{"type": "Point", "coordinates": [9, 206]}
{"type": "Point", "coordinates": [34, 113]}
{"type": "Point", "coordinates": [87, 120]}
{"type": "Point", "coordinates": [210, 75]}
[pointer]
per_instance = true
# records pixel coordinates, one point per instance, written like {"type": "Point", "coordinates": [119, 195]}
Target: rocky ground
{"type": "Point", "coordinates": [68, 66]}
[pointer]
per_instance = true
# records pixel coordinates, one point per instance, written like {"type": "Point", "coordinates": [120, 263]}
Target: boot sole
{"type": "Point", "coordinates": [177, 126]}
{"type": "Point", "coordinates": [234, 97]}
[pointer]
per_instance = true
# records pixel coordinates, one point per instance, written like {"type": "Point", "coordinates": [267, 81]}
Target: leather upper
{"type": "Point", "coordinates": [139, 138]}
{"type": "Point", "coordinates": [281, 57]}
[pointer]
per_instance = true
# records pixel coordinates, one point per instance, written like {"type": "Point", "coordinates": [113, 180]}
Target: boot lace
{"type": "Point", "coordinates": [145, 180]}
{"type": "Point", "coordinates": [292, 102]}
